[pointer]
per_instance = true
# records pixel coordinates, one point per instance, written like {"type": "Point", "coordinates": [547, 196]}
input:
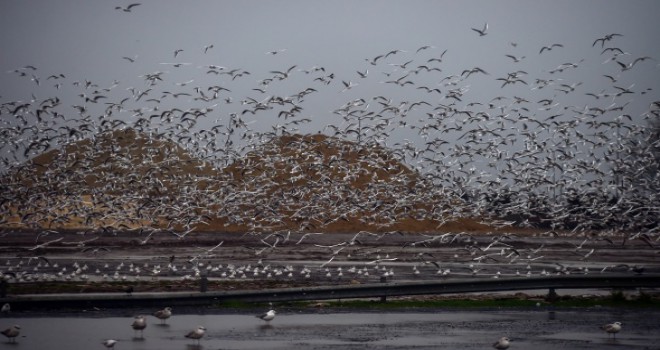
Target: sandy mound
{"type": "Point", "coordinates": [125, 179]}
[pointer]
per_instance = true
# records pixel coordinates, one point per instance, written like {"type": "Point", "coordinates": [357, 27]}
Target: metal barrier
{"type": "Point", "coordinates": [375, 290]}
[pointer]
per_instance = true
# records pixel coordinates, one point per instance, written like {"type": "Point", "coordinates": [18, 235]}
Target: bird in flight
{"type": "Point", "coordinates": [548, 48]}
{"type": "Point", "coordinates": [127, 8]}
{"type": "Point", "coordinates": [482, 32]}
{"type": "Point", "coordinates": [607, 37]}
{"type": "Point", "coordinates": [275, 52]}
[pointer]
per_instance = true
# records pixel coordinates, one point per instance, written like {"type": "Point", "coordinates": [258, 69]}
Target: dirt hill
{"type": "Point", "coordinates": [125, 179]}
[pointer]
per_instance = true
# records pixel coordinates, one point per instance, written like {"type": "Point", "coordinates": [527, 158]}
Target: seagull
{"type": "Point", "coordinates": [127, 8]}
{"type": "Point", "coordinates": [502, 343]}
{"type": "Point", "coordinates": [267, 316]}
{"type": "Point", "coordinates": [12, 332]}
{"type": "Point", "coordinates": [109, 343]}
{"type": "Point", "coordinates": [275, 52]}
{"type": "Point", "coordinates": [612, 328]}
{"type": "Point", "coordinates": [607, 37]}
{"type": "Point", "coordinates": [548, 48]}
{"type": "Point", "coordinates": [348, 85]}
{"type": "Point", "coordinates": [515, 59]}
{"type": "Point", "coordinates": [163, 314]}
{"type": "Point", "coordinates": [197, 333]}
{"type": "Point", "coordinates": [130, 59]}
{"type": "Point", "coordinates": [139, 324]}
{"type": "Point", "coordinates": [5, 308]}
{"type": "Point", "coordinates": [482, 32]}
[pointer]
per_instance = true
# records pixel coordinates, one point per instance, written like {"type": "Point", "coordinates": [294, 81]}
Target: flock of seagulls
{"type": "Point", "coordinates": [549, 148]}
{"type": "Point", "coordinates": [365, 257]}
{"type": "Point", "coordinates": [542, 152]}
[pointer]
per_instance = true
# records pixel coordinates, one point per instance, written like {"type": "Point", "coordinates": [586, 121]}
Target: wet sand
{"type": "Point", "coordinates": [327, 329]}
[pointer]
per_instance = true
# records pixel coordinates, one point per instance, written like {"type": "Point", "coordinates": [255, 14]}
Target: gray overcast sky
{"type": "Point", "coordinates": [86, 40]}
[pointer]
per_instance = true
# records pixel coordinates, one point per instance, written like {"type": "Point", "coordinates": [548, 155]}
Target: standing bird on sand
{"type": "Point", "coordinates": [139, 324]}
{"type": "Point", "coordinates": [612, 328]}
{"type": "Point", "coordinates": [502, 343]}
{"type": "Point", "coordinates": [196, 334]}
{"type": "Point", "coordinates": [267, 316]}
{"type": "Point", "coordinates": [163, 314]}
{"type": "Point", "coordinates": [12, 332]}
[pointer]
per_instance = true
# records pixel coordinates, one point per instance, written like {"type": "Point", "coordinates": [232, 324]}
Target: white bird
{"type": "Point", "coordinates": [612, 328]}
{"type": "Point", "coordinates": [196, 334]}
{"type": "Point", "coordinates": [109, 343]}
{"type": "Point", "coordinates": [267, 316]}
{"type": "Point", "coordinates": [502, 343]}
{"type": "Point", "coordinates": [163, 314]}
{"type": "Point", "coordinates": [5, 308]}
{"type": "Point", "coordinates": [482, 32]}
{"type": "Point", "coordinates": [12, 332]}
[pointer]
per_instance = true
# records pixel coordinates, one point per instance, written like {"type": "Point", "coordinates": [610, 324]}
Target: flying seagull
{"type": "Point", "coordinates": [482, 32]}
{"type": "Point", "coordinates": [548, 48]}
{"type": "Point", "coordinates": [127, 8]}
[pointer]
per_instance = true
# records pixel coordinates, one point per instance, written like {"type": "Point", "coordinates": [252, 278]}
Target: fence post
{"type": "Point", "coordinates": [203, 283]}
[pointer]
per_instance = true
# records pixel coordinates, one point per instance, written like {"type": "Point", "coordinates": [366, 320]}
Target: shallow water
{"type": "Point", "coordinates": [311, 329]}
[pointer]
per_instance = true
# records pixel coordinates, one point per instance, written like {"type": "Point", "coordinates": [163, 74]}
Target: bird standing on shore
{"type": "Point", "coordinates": [196, 334]}
{"type": "Point", "coordinates": [612, 328]}
{"type": "Point", "coordinates": [502, 343]}
{"type": "Point", "coordinates": [267, 316]}
{"type": "Point", "coordinates": [12, 332]}
{"type": "Point", "coordinates": [163, 314]}
{"type": "Point", "coordinates": [139, 324]}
